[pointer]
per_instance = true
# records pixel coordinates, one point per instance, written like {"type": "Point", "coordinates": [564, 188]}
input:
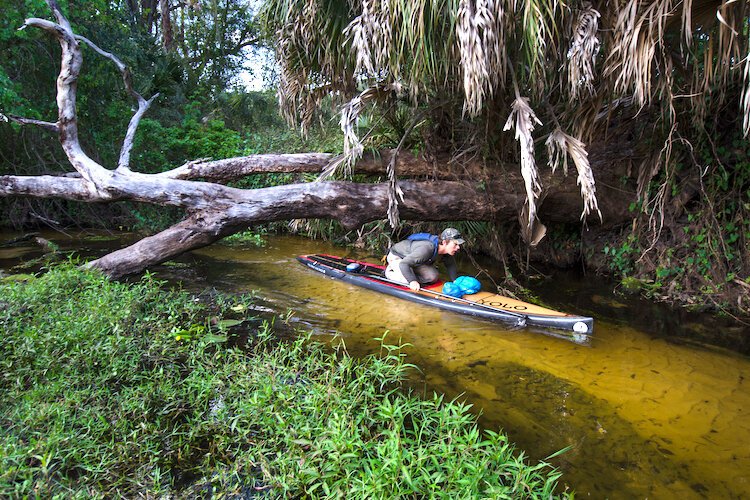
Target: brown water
{"type": "Point", "coordinates": [647, 414]}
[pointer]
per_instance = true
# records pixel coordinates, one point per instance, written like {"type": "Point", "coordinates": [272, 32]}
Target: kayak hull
{"type": "Point", "coordinates": [483, 304]}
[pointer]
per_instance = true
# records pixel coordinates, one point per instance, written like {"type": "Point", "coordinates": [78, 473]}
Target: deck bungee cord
{"type": "Point", "coordinates": [490, 306]}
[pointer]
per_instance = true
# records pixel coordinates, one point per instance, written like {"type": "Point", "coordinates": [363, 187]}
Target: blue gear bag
{"type": "Point", "coordinates": [453, 290]}
{"type": "Point", "coordinates": [468, 284]}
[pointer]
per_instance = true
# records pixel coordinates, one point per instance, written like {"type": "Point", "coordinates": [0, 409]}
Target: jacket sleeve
{"type": "Point", "coordinates": [420, 253]}
{"type": "Point", "coordinates": [450, 266]}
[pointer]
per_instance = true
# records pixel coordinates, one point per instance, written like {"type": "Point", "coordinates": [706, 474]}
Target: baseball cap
{"type": "Point", "coordinates": [451, 233]}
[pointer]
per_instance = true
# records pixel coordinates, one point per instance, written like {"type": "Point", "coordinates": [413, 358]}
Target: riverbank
{"type": "Point", "coordinates": [113, 389]}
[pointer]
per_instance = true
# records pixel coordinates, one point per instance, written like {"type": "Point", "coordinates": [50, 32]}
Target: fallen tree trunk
{"type": "Point", "coordinates": [352, 204]}
{"type": "Point", "coordinates": [215, 210]}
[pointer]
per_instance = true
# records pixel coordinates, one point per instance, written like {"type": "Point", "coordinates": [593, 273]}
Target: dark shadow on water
{"type": "Point", "coordinates": [574, 291]}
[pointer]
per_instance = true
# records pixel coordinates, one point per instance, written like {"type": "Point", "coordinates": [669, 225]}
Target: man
{"type": "Point", "coordinates": [412, 261]}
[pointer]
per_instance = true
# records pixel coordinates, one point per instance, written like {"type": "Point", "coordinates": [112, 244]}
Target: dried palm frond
{"type": "Point", "coordinates": [634, 47]}
{"type": "Point", "coordinates": [350, 113]}
{"type": "Point", "coordinates": [395, 193]}
{"type": "Point", "coordinates": [349, 116]}
{"type": "Point", "coordinates": [687, 22]}
{"type": "Point", "coordinates": [353, 148]}
{"type": "Point", "coordinates": [745, 100]}
{"type": "Point", "coordinates": [728, 43]}
{"type": "Point", "coordinates": [371, 34]}
{"type": "Point", "coordinates": [584, 48]}
{"type": "Point", "coordinates": [293, 35]}
{"type": "Point", "coordinates": [559, 146]}
{"type": "Point", "coordinates": [306, 32]}
{"type": "Point", "coordinates": [358, 31]}
{"type": "Point", "coordinates": [481, 46]}
{"type": "Point", "coordinates": [522, 118]}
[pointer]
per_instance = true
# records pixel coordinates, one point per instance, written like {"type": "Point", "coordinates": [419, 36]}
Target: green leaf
{"type": "Point", "coordinates": [229, 323]}
{"type": "Point", "coordinates": [212, 338]}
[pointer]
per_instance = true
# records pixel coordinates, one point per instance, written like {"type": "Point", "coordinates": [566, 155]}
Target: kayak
{"type": "Point", "coordinates": [486, 305]}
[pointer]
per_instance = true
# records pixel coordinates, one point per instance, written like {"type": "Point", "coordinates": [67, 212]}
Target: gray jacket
{"type": "Point", "coordinates": [419, 253]}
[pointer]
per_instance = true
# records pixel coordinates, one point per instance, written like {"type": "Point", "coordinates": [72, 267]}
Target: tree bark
{"type": "Point", "coordinates": [166, 26]}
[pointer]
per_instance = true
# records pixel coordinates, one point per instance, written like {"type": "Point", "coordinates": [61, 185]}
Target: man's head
{"type": "Point", "coordinates": [450, 241]}
{"type": "Point", "coordinates": [452, 234]}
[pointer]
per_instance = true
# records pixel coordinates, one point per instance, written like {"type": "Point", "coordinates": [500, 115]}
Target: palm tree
{"type": "Point", "coordinates": [561, 67]}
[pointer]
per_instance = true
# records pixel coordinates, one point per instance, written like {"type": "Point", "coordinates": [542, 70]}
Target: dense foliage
{"type": "Point", "coordinates": [690, 238]}
{"type": "Point", "coordinates": [117, 390]}
{"type": "Point", "coordinates": [202, 110]}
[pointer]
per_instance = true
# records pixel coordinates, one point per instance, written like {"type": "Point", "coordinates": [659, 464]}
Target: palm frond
{"type": "Point", "coordinates": [538, 39]}
{"type": "Point", "coordinates": [395, 193]}
{"type": "Point", "coordinates": [522, 119]}
{"type": "Point", "coordinates": [637, 37]}
{"type": "Point", "coordinates": [561, 145]}
{"type": "Point", "coordinates": [584, 47]}
{"type": "Point", "coordinates": [350, 116]}
{"type": "Point", "coordinates": [309, 40]}
{"type": "Point", "coordinates": [371, 34]}
{"type": "Point", "coordinates": [481, 45]}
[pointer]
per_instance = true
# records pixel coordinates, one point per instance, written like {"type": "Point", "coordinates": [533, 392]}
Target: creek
{"type": "Point", "coordinates": [656, 406]}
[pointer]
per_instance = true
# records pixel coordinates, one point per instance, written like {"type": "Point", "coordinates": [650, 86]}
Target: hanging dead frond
{"type": "Point", "coordinates": [584, 47]}
{"type": "Point", "coordinates": [634, 46]}
{"type": "Point", "coordinates": [305, 32]}
{"type": "Point", "coordinates": [522, 118]}
{"type": "Point", "coordinates": [295, 33]}
{"type": "Point", "coordinates": [687, 22]}
{"type": "Point", "coordinates": [745, 100]}
{"type": "Point", "coordinates": [358, 32]}
{"type": "Point", "coordinates": [481, 46]}
{"type": "Point", "coordinates": [728, 43]}
{"type": "Point", "coordinates": [353, 148]}
{"type": "Point", "coordinates": [561, 145]}
{"type": "Point", "coordinates": [395, 193]}
{"type": "Point", "coordinates": [350, 113]}
{"type": "Point", "coordinates": [371, 34]}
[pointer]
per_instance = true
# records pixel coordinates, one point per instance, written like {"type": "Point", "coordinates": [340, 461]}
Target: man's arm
{"type": "Point", "coordinates": [450, 266]}
{"type": "Point", "coordinates": [421, 253]}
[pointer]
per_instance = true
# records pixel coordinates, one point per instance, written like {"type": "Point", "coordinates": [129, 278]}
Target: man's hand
{"type": "Point", "coordinates": [414, 286]}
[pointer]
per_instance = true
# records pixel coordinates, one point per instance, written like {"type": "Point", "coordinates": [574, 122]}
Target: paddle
{"type": "Point", "coordinates": [457, 299]}
{"type": "Point", "coordinates": [521, 317]}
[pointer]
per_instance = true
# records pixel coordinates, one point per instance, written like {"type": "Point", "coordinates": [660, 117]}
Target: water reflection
{"type": "Point", "coordinates": [647, 413]}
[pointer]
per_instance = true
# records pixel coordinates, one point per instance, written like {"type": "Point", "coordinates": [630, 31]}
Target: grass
{"type": "Point", "coordinates": [111, 389]}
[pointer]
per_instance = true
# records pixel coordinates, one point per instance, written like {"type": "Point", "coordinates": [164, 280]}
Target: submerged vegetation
{"type": "Point", "coordinates": [112, 389]}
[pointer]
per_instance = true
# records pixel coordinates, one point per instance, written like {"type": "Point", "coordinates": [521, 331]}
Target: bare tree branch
{"type": "Point", "coordinates": [52, 127]}
{"type": "Point", "coordinates": [66, 95]}
{"type": "Point", "coordinates": [143, 104]}
{"type": "Point", "coordinates": [127, 144]}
